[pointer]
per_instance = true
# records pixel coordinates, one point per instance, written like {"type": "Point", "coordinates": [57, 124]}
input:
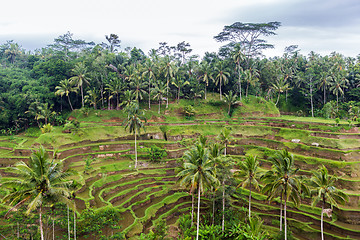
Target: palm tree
{"type": "Point", "coordinates": [80, 78]}
{"type": "Point", "coordinates": [251, 78]}
{"type": "Point", "coordinates": [179, 82]}
{"type": "Point", "coordinates": [279, 86]}
{"type": "Point", "coordinates": [149, 67]}
{"type": "Point", "coordinates": [249, 173]}
{"type": "Point", "coordinates": [114, 87]}
{"type": "Point", "coordinates": [238, 57]}
{"type": "Point", "coordinates": [223, 166]}
{"type": "Point", "coordinates": [198, 173]}
{"type": "Point", "coordinates": [325, 80]}
{"type": "Point", "coordinates": [222, 74]}
{"type": "Point", "coordinates": [92, 97]}
{"type": "Point", "coordinates": [38, 182]}
{"type": "Point", "coordinates": [323, 190]}
{"type": "Point", "coordinates": [168, 69]}
{"type": "Point", "coordinates": [337, 86]}
{"type": "Point", "coordinates": [205, 74]}
{"type": "Point", "coordinates": [159, 91]}
{"type": "Point", "coordinates": [138, 87]}
{"type": "Point", "coordinates": [230, 99]}
{"type": "Point", "coordinates": [282, 180]}
{"type": "Point", "coordinates": [127, 99]}
{"type": "Point", "coordinates": [225, 138]}
{"type": "Point", "coordinates": [135, 122]}
{"type": "Point", "coordinates": [65, 88]}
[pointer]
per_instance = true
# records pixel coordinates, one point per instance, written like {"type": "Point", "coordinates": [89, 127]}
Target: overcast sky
{"type": "Point", "coordinates": [323, 26]}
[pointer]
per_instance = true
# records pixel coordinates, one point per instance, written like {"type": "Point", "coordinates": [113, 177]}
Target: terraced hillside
{"type": "Point", "coordinates": [150, 193]}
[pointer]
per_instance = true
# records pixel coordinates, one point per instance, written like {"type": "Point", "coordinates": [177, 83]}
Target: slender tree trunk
{"type": "Point", "coordinates": [213, 210]}
{"type": "Point", "coordinates": [41, 224]}
{"type": "Point", "coordinates": [322, 220]}
{"type": "Point", "coordinates": [247, 88]}
{"type": "Point", "coordinates": [239, 83]}
{"type": "Point", "coordinates": [324, 95]}
{"type": "Point", "coordinates": [53, 233]}
{"type": "Point", "coordinates": [82, 96]}
{"type": "Point", "coordinates": [70, 103]}
{"type": "Point", "coordinates": [135, 150]}
{"type": "Point", "coordinates": [285, 224]}
{"type": "Point", "coordinates": [223, 207]}
{"type": "Point", "coordinates": [74, 224]}
{"type": "Point", "coordinates": [198, 215]}
{"type": "Point", "coordinates": [229, 109]}
{"type": "Point", "coordinates": [178, 95]}
{"type": "Point", "coordinates": [277, 99]}
{"type": "Point", "coordinates": [311, 99]}
{"type": "Point", "coordinates": [117, 101]}
{"type": "Point", "coordinates": [205, 91]}
{"type": "Point", "coordinates": [225, 149]}
{"type": "Point", "coordinates": [68, 218]}
{"type": "Point", "coordinates": [250, 201]}
{"type": "Point", "coordinates": [159, 106]}
{"type": "Point", "coordinates": [281, 211]}
{"type": "Point", "coordinates": [192, 208]}
{"type": "Point", "coordinates": [109, 101]}
{"type": "Point", "coordinates": [220, 90]}
{"type": "Point", "coordinates": [149, 92]}
{"type": "Point", "coordinates": [167, 93]}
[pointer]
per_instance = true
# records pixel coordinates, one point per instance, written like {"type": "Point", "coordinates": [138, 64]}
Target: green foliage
{"type": "Point", "coordinates": [164, 129]}
{"type": "Point", "coordinates": [189, 111]}
{"type": "Point", "coordinates": [94, 223]}
{"type": "Point", "coordinates": [71, 126]}
{"type": "Point", "coordinates": [156, 153]}
{"type": "Point", "coordinates": [47, 128]}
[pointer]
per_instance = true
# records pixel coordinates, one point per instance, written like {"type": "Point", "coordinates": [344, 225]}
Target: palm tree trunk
{"type": "Point", "coordinates": [322, 220]}
{"type": "Point", "coordinates": [74, 224]}
{"type": "Point", "coordinates": [68, 218]}
{"type": "Point", "coordinates": [324, 95]}
{"type": "Point", "coordinates": [281, 217]}
{"type": "Point", "coordinates": [41, 225]}
{"type": "Point", "coordinates": [213, 210]}
{"type": "Point", "coordinates": [223, 205]}
{"type": "Point", "coordinates": [82, 96]}
{"type": "Point", "coordinates": [250, 200]}
{"type": "Point", "coordinates": [149, 93]}
{"type": "Point", "coordinates": [277, 99]}
{"type": "Point", "coordinates": [229, 109]}
{"type": "Point", "coordinates": [70, 103]}
{"type": "Point", "coordinates": [135, 150]}
{"type": "Point", "coordinates": [239, 83]}
{"type": "Point", "coordinates": [247, 88]}
{"type": "Point", "coordinates": [285, 225]}
{"type": "Point", "coordinates": [178, 95]}
{"type": "Point", "coordinates": [159, 106]}
{"type": "Point", "coordinates": [198, 215]}
{"type": "Point", "coordinates": [167, 93]}
{"type": "Point", "coordinates": [205, 92]}
{"type": "Point", "coordinates": [220, 90]}
{"type": "Point", "coordinates": [192, 208]}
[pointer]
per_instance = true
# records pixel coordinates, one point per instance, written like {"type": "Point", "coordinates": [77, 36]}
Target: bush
{"type": "Point", "coordinates": [46, 128]}
{"type": "Point", "coordinates": [189, 111]}
{"type": "Point", "coordinates": [156, 153]}
{"type": "Point", "coordinates": [71, 126]}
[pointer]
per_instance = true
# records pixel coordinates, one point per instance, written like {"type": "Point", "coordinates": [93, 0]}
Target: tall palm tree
{"type": "Point", "coordinates": [149, 71]}
{"type": "Point", "coordinates": [135, 122]}
{"type": "Point", "coordinates": [225, 138]}
{"type": "Point", "coordinates": [279, 86]}
{"type": "Point", "coordinates": [251, 78]}
{"type": "Point", "coordinates": [238, 57]}
{"type": "Point", "coordinates": [179, 82]}
{"type": "Point", "coordinates": [159, 91]}
{"type": "Point", "coordinates": [65, 88]}
{"type": "Point", "coordinates": [205, 74]}
{"type": "Point", "coordinates": [81, 78]}
{"type": "Point", "coordinates": [323, 190]}
{"type": "Point", "coordinates": [114, 87]}
{"type": "Point", "coordinates": [249, 173]}
{"type": "Point", "coordinates": [282, 180]}
{"type": "Point", "coordinates": [168, 70]}
{"type": "Point", "coordinates": [138, 88]}
{"type": "Point", "coordinates": [337, 86]}
{"type": "Point", "coordinates": [40, 181]}
{"type": "Point", "coordinates": [230, 100]}
{"type": "Point", "coordinates": [198, 172]}
{"type": "Point", "coordinates": [222, 74]}
{"type": "Point", "coordinates": [325, 80]}
{"type": "Point", "coordinates": [92, 97]}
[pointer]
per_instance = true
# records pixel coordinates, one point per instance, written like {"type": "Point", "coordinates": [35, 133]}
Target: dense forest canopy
{"type": "Point", "coordinates": [40, 86]}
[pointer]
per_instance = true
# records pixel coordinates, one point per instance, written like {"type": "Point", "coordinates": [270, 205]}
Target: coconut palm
{"type": "Point", "coordinates": [279, 86]}
{"type": "Point", "coordinates": [92, 97]}
{"type": "Point", "coordinates": [135, 122]}
{"type": "Point", "coordinates": [114, 87]}
{"type": "Point", "coordinates": [249, 173]}
{"type": "Point", "coordinates": [230, 100]}
{"type": "Point", "coordinates": [238, 57]}
{"type": "Point", "coordinates": [251, 77]}
{"type": "Point", "coordinates": [65, 88]}
{"type": "Point", "coordinates": [80, 79]}
{"type": "Point", "coordinates": [179, 82]}
{"type": "Point", "coordinates": [138, 88]}
{"type": "Point", "coordinates": [225, 138]}
{"type": "Point", "coordinates": [282, 180]}
{"type": "Point", "coordinates": [168, 70]}
{"type": "Point", "coordinates": [159, 91]}
{"type": "Point", "coordinates": [205, 74]}
{"type": "Point", "coordinates": [324, 191]}
{"type": "Point", "coordinates": [325, 80]}
{"type": "Point", "coordinates": [198, 173]}
{"type": "Point", "coordinates": [149, 71]}
{"type": "Point", "coordinates": [38, 182]}
{"type": "Point", "coordinates": [337, 86]}
{"type": "Point", "coordinates": [222, 74]}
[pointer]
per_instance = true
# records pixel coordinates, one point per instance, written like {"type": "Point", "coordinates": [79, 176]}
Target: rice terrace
{"type": "Point", "coordinates": [102, 143]}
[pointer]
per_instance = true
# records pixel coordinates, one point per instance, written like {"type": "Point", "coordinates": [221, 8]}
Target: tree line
{"type": "Point", "coordinates": [39, 86]}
